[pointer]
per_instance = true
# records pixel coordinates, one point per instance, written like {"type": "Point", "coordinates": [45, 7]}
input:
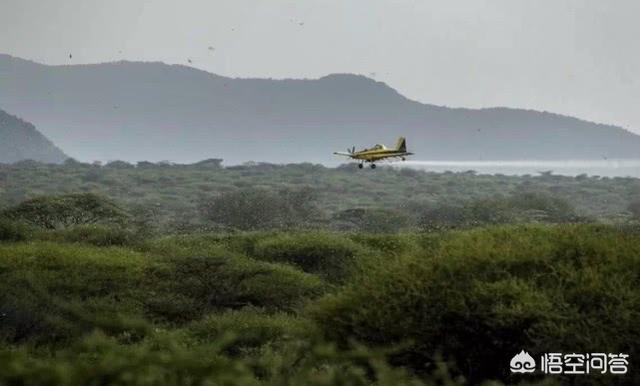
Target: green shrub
{"type": "Point", "coordinates": [389, 245]}
{"type": "Point", "coordinates": [53, 212]}
{"type": "Point", "coordinates": [100, 360]}
{"type": "Point", "coordinates": [99, 235]}
{"type": "Point", "coordinates": [25, 316]}
{"type": "Point", "coordinates": [247, 242]}
{"type": "Point", "coordinates": [182, 245]}
{"type": "Point", "coordinates": [204, 244]}
{"type": "Point", "coordinates": [188, 287]}
{"type": "Point", "coordinates": [331, 255]}
{"type": "Point", "coordinates": [251, 328]}
{"type": "Point", "coordinates": [524, 207]}
{"type": "Point", "coordinates": [164, 361]}
{"type": "Point", "coordinates": [13, 231]}
{"type": "Point", "coordinates": [486, 294]}
{"type": "Point", "coordinates": [467, 214]}
{"type": "Point", "coordinates": [259, 209]}
{"type": "Point", "coordinates": [543, 207]}
{"type": "Point", "coordinates": [50, 293]}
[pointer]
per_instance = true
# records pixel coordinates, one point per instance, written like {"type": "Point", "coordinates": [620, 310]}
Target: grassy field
{"type": "Point", "coordinates": [314, 307]}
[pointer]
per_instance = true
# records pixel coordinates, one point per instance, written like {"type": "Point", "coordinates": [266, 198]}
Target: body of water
{"type": "Point", "coordinates": [603, 168]}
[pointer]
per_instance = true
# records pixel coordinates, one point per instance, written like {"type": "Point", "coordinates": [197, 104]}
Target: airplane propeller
{"type": "Point", "coordinates": [352, 150]}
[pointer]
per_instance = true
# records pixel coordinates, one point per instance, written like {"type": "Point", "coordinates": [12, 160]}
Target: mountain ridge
{"type": "Point", "coordinates": [21, 141]}
{"type": "Point", "coordinates": [151, 110]}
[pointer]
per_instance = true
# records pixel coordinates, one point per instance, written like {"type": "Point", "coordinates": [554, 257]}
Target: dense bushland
{"type": "Point", "coordinates": [255, 209]}
{"type": "Point", "coordinates": [487, 293]}
{"type": "Point", "coordinates": [95, 219]}
{"type": "Point", "coordinates": [185, 288]}
{"type": "Point", "coordinates": [204, 197]}
{"type": "Point", "coordinates": [330, 255]}
{"type": "Point", "coordinates": [54, 212]}
{"type": "Point", "coordinates": [209, 275]}
{"type": "Point", "coordinates": [51, 292]}
{"type": "Point", "coordinates": [13, 231]}
{"type": "Point", "coordinates": [518, 208]}
{"type": "Point", "coordinates": [318, 308]}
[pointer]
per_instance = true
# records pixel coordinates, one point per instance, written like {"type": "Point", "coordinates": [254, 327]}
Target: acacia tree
{"type": "Point", "coordinates": [52, 212]}
{"type": "Point", "coordinates": [258, 208]}
{"type": "Point", "coordinates": [543, 206]}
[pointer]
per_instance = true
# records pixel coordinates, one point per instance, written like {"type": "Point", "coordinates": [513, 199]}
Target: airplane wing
{"type": "Point", "coordinates": [345, 154]}
{"type": "Point", "coordinates": [395, 155]}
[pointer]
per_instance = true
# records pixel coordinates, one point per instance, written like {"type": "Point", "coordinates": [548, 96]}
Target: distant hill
{"type": "Point", "coordinates": [134, 111]}
{"type": "Point", "coordinates": [19, 140]}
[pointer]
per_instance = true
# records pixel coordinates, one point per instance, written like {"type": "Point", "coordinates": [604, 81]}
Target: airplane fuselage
{"type": "Point", "coordinates": [375, 154]}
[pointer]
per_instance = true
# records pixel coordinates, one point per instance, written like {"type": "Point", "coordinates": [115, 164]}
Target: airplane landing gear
{"type": "Point", "coordinates": [404, 159]}
{"type": "Point", "coordinates": [360, 166]}
{"type": "Point", "coordinates": [373, 166]}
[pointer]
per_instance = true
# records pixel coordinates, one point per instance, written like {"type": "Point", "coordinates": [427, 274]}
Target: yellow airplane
{"type": "Point", "coordinates": [377, 153]}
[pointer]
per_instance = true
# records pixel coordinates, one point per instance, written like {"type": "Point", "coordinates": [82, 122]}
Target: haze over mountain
{"type": "Point", "coordinates": [152, 111]}
{"type": "Point", "coordinates": [20, 140]}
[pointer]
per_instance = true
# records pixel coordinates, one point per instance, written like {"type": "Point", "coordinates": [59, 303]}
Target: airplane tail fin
{"type": "Point", "coordinates": [401, 145]}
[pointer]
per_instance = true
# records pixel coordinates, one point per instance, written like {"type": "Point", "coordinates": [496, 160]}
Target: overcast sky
{"type": "Point", "coordinates": [575, 57]}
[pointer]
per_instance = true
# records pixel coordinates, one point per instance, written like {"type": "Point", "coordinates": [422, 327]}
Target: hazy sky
{"type": "Point", "coordinates": [576, 57]}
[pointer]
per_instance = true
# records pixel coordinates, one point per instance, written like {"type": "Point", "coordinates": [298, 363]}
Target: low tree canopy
{"type": "Point", "coordinates": [53, 212]}
{"type": "Point", "coordinates": [255, 208]}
